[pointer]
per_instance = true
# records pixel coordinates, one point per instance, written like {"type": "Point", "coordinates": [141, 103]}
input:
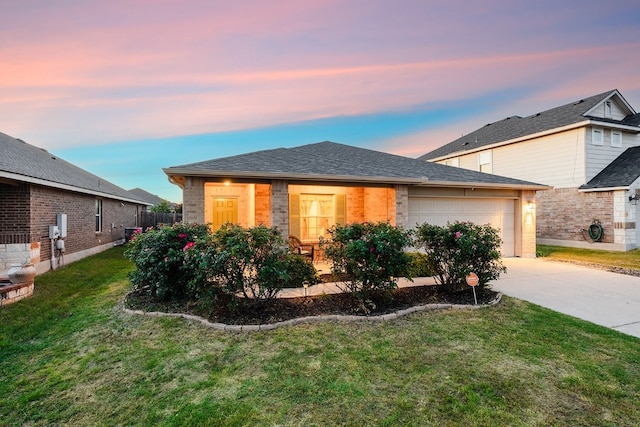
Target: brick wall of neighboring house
{"type": "Point", "coordinates": [46, 203]}
{"type": "Point", "coordinates": [563, 213]}
{"type": "Point", "coordinates": [14, 209]}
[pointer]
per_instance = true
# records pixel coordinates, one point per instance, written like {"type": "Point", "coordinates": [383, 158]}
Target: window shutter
{"type": "Point", "coordinates": [294, 215]}
{"type": "Point", "coordinates": [341, 208]}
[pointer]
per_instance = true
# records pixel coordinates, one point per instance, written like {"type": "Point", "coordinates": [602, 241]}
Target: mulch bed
{"type": "Point", "coordinates": [282, 309]}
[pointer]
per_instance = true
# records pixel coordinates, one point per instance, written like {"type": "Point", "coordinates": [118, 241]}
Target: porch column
{"type": "Point", "coordinates": [193, 199]}
{"type": "Point", "coordinates": [527, 211]}
{"type": "Point", "coordinates": [280, 206]}
{"type": "Point", "coordinates": [402, 205]}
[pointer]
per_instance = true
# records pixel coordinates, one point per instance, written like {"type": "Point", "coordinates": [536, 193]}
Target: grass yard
{"type": "Point", "coordinates": [70, 356]}
{"type": "Point", "coordinates": [627, 260]}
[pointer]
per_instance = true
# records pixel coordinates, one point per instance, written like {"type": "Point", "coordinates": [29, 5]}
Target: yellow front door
{"type": "Point", "coordinates": [224, 210]}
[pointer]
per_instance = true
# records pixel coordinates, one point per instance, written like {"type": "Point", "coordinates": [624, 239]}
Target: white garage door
{"type": "Point", "coordinates": [499, 213]}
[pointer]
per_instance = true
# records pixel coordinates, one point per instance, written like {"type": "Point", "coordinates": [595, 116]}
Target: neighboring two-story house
{"type": "Point", "coordinates": [588, 151]}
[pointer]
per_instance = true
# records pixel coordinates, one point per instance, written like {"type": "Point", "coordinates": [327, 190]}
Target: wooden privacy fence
{"type": "Point", "coordinates": [153, 219]}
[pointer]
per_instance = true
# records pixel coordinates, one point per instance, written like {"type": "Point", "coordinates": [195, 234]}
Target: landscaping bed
{"type": "Point", "coordinates": [249, 312]}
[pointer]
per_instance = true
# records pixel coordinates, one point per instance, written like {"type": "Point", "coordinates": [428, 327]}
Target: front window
{"type": "Point", "coordinates": [98, 215]}
{"type": "Point", "coordinates": [316, 215]}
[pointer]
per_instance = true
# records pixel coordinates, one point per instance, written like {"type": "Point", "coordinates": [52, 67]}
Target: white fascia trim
{"type": "Point", "coordinates": [594, 190]}
{"type": "Point", "coordinates": [45, 183]}
{"type": "Point", "coordinates": [535, 187]}
{"type": "Point", "coordinates": [615, 126]}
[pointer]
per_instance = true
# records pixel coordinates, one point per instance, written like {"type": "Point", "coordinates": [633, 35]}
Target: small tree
{"type": "Point", "coordinates": [460, 248]}
{"type": "Point", "coordinates": [162, 207]}
{"type": "Point", "coordinates": [368, 257]}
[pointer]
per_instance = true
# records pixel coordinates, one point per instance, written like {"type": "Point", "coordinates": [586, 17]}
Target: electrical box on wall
{"type": "Point", "coordinates": [61, 219]}
{"type": "Point", "coordinates": [54, 232]}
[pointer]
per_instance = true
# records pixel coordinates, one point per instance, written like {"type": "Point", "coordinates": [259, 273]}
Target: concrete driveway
{"type": "Point", "coordinates": [601, 297]}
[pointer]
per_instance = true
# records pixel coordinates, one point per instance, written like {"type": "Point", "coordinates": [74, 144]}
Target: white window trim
{"type": "Point", "coordinates": [608, 110]}
{"type": "Point", "coordinates": [616, 142]}
{"type": "Point", "coordinates": [98, 216]}
{"type": "Point", "coordinates": [485, 158]}
{"type": "Point", "coordinates": [597, 136]}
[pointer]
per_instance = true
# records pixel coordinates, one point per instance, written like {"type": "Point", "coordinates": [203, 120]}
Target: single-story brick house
{"type": "Point", "coordinates": [39, 190]}
{"type": "Point", "coordinates": [307, 189]}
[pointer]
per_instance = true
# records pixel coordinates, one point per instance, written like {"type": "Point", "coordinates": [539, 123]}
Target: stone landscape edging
{"type": "Point", "coordinates": [313, 319]}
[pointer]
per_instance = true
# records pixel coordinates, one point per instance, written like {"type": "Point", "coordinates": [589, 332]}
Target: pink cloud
{"type": "Point", "coordinates": [110, 71]}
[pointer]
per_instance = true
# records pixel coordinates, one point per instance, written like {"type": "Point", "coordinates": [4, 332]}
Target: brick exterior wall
{"type": "Point", "coordinates": [38, 212]}
{"type": "Point", "coordinates": [193, 200]}
{"type": "Point", "coordinates": [379, 204]}
{"type": "Point", "coordinates": [402, 205]}
{"type": "Point", "coordinates": [263, 204]}
{"type": "Point", "coordinates": [280, 206]}
{"type": "Point", "coordinates": [355, 204]}
{"type": "Point", "coordinates": [563, 213]}
{"type": "Point", "coordinates": [14, 209]}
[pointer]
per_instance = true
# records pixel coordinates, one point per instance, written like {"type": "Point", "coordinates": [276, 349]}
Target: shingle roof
{"type": "Point", "coordinates": [145, 195]}
{"type": "Point", "coordinates": [622, 172]}
{"type": "Point", "coordinates": [27, 163]}
{"type": "Point", "coordinates": [338, 162]}
{"type": "Point", "coordinates": [517, 127]}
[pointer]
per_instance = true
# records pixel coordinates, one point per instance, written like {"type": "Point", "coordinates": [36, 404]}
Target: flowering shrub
{"type": "Point", "coordinates": [460, 248]}
{"type": "Point", "coordinates": [368, 257]}
{"type": "Point", "coordinates": [159, 255]}
{"type": "Point", "coordinates": [252, 262]}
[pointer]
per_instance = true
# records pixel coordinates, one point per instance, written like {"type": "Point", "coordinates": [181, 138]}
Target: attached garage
{"type": "Point", "coordinates": [499, 212]}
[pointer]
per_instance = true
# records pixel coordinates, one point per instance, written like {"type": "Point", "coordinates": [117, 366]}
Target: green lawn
{"type": "Point", "coordinates": [70, 356]}
{"type": "Point", "coordinates": [630, 259]}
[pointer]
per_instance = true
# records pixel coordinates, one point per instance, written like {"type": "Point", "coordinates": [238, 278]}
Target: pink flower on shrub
{"type": "Point", "coordinates": [188, 246]}
{"type": "Point", "coordinates": [458, 234]}
{"type": "Point", "coordinates": [182, 236]}
{"type": "Point", "coordinates": [371, 249]}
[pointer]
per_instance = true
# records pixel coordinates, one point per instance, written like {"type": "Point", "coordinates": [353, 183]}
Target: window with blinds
{"type": "Point", "coordinates": [312, 215]}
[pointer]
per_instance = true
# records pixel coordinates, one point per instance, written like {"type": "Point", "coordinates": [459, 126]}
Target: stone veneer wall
{"type": "Point", "coordinates": [563, 213]}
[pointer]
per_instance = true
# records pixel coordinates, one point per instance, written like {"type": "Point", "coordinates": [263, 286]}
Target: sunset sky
{"type": "Point", "coordinates": [125, 88]}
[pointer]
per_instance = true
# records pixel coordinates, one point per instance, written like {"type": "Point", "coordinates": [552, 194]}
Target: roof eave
{"type": "Point", "coordinates": [472, 184]}
{"type": "Point", "coordinates": [60, 186]}
{"type": "Point", "coordinates": [291, 177]}
{"type": "Point", "coordinates": [565, 128]}
{"type": "Point", "coordinates": [592, 190]}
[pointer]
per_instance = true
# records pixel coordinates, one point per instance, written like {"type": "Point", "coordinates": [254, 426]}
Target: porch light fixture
{"type": "Point", "coordinates": [530, 206]}
{"type": "Point", "coordinates": [226, 182]}
{"type": "Point", "coordinates": [634, 199]}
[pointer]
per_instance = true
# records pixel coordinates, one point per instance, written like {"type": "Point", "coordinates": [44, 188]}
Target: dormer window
{"type": "Point", "coordinates": [607, 110]}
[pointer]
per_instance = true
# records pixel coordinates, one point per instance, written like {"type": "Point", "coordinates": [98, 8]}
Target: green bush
{"type": "Point", "coordinates": [460, 248]}
{"type": "Point", "coordinates": [420, 265]}
{"type": "Point", "coordinates": [159, 257]}
{"type": "Point", "coordinates": [368, 257]}
{"type": "Point", "coordinates": [250, 262]}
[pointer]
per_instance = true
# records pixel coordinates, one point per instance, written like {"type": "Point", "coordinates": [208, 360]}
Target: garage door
{"type": "Point", "coordinates": [499, 213]}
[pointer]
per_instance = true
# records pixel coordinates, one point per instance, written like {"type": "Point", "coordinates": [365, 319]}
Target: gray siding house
{"type": "Point", "coordinates": [586, 150]}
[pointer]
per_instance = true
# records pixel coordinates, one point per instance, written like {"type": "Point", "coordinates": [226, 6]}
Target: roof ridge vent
{"type": "Point", "coordinates": [579, 102]}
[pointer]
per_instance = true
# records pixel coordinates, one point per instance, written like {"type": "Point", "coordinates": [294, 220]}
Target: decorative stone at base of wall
{"type": "Point", "coordinates": [10, 293]}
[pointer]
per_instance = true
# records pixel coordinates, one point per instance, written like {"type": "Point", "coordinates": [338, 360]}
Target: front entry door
{"type": "Point", "coordinates": [224, 210]}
